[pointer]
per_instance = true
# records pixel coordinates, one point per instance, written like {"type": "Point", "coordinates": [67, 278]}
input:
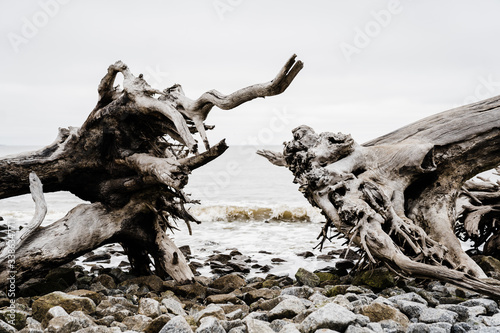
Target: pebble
{"type": "Point", "coordinates": [232, 303]}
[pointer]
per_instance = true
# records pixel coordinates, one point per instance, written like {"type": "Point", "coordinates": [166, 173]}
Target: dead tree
{"type": "Point", "coordinates": [131, 159]}
{"type": "Point", "coordinates": [395, 197]}
{"type": "Point", "coordinates": [478, 211]}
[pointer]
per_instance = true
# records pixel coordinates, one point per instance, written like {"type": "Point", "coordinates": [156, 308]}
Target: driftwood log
{"type": "Point", "coordinates": [395, 197]}
{"type": "Point", "coordinates": [131, 159]}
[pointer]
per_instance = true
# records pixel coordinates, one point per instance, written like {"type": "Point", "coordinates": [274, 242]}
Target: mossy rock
{"type": "Point", "coordinates": [325, 276]}
{"type": "Point", "coordinates": [336, 290]}
{"type": "Point", "coordinates": [270, 283]}
{"type": "Point", "coordinates": [68, 302]}
{"type": "Point", "coordinates": [378, 278]}
{"type": "Point", "coordinates": [304, 277]}
{"type": "Point", "coordinates": [15, 318]}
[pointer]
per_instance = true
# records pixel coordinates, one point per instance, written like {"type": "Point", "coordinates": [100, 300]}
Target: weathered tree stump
{"type": "Point", "coordinates": [131, 159]}
{"type": "Point", "coordinates": [395, 197]}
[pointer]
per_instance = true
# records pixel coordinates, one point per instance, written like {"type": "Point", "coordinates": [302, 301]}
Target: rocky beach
{"type": "Point", "coordinates": [73, 299]}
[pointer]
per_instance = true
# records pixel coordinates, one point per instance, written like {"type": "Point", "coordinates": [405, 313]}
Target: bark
{"type": "Point", "coordinates": [131, 159]}
{"type": "Point", "coordinates": [395, 196]}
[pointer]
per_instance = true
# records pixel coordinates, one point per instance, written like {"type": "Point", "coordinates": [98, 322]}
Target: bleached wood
{"type": "Point", "coordinates": [131, 159]}
{"type": "Point", "coordinates": [395, 196]}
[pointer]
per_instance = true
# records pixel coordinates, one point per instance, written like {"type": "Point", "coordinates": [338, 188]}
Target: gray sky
{"type": "Point", "coordinates": [370, 66]}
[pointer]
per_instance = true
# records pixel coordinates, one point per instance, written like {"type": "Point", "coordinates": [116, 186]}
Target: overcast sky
{"type": "Point", "coordinates": [370, 66]}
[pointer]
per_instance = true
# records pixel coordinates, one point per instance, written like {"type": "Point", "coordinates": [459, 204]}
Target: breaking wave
{"type": "Point", "coordinates": [230, 213]}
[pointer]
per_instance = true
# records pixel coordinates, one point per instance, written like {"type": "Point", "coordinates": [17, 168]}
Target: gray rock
{"type": "Point", "coordinates": [278, 324]}
{"type": "Point", "coordinates": [412, 297]}
{"type": "Point", "coordinates": [137, 323]}
{"type": "Point", "coordinates": [477, 310]}
{"type": "Point", "coordinates": [236, 314]}
{"type": "Point", "coordinates": [258, 326]}
{"type": "Point", "coordinates": [440, 327]}
{"type": "Point", "coordinates": [358, 329]}
{"type": "Point", "coordinates": [228, 325]}
{"type": "Point", "coordinates": [493, 320]}
{"type": "Point", "coordinates": [375, 327]}
{"type": "Point", "coordinates": [462, 311]}
{"type": "Point", "coordinates": [56, 311]}
{"type": "Point", "coordinates": [84, 319]}
{"type": "Point", "coordinates": [63, 324]}
{"type": "Point", "coordinates": [239, 329]}
{"type": "Point", "coordinates": [461, 328]}
{"type": "Point", "coordinates": [391, 326]}
{"type": "Point", "coordinates": [33, 326]}
{"type": "Point", "coordinates": [288, 308]}
{"type": "Point", "coordinates": [149, 307]}
{"type": "Point", "coordinates": [317, 298]}
{"type": "Point", "coordinates": [362, 320]}
{"type": "Point", "coordinates": [331, 316]}
{"type": "Point", "coordinates": [325, 330]}
{"type": "Point", "coordinates": [211, 310]}
{"type": "Point", "coordinates": [490, 305]}
{"type": "Point", "coordinates": [418, 328]}
{"type": "Point", "coordinates": [410, 308]}
{"type": "Point", "coordinates": [173, 306]}
{"type": "Point", "coordinates": [257, 315]}
{"type": "Point", "coordinates": [6, 328]}
{"type": "Point", "coordinates": [301, 292]}
{"type": "Point", "coordinates": [486, 330]}
{"type": "Point", "coordinates": [106, 321]}
{"type": "Point", "coordinates": [431, 315]}
{"type": "Point", "coordinates": [176, 325]}
{"type": "Point", "coordinates": [289, 328]}
{"type": "Point", "coordinates": [210, 325]}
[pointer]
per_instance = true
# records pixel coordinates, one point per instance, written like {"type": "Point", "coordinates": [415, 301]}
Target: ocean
{"type": "Point", "coordinates": [246, 204]}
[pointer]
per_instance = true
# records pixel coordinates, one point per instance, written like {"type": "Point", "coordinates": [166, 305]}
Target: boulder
{"type": "Point", "coordinates": [96, 297]}
{"type": "Point", "coordinates": [304, 277]}
{"type": "Point", "coordinates": [228, 283]}
{"type": "Point", "coordinates": [264, 293]}
{"type": "Point", "coordinates": [431, 315]}
{"type": "Point", "coordinates": [152, 282]}
{"type": "Point", "coordinates": [210, 325]}
{"type": "Point", "coordinates": [288, 308]}
{"type": "Point", "coordinates": [378, 278]}
{"type": "Point", "coordinates": [192, 291]}
{"type": "Point", "coordinates": [301, 292]}
{"type": "Point", "coordinates": [156, 324]}
{"type": "Point", "coordinates": [178, 324]}
{"type": "Point", "coordinates": [332, 316]}
{"type": "Point", "coordinates": [68, 302]}
{"type": "Point", "coordinates": [173, 306]}
{"type": "Point", "coordinates": [149, 307]}
{"type": "Point", "coordinates": [258, 326]}
{"type": "Point", "coordinates": [211, 310]}
{"type": "Point", "coordinates": [137, 322]}
{"type": "Point", "coordinates": [378, 312]}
